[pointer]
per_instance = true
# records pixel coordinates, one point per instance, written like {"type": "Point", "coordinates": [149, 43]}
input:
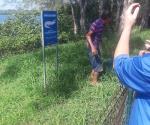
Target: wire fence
{"type": "Point", "coordinates": [118, 111]}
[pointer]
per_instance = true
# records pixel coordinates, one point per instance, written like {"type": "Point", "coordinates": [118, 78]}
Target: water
{"type": "Point", "coordinates": [3, 18]}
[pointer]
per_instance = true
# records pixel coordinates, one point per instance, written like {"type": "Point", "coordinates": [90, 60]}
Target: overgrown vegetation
{"type": "Point", "coordinates": [20, 33]}
{"type": "Point", "coordinates": [71, 97]}
{"type": "Point", "coordinates": [70, 101]}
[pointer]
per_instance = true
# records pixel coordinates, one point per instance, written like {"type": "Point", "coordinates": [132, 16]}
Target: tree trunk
{"type": "Point", "coordinates": [119, 9]}
{"type": "Point", "coordinates": [112, 6]}
{"type": "Point", "coordinates": [100, 7]}
{"type": "Point", "coordinates": [82, 4]}
{"type": "Point", "coordinates": [62, 2]}
{"type": "Point", "coordinates": [146, 14]}
{"type": "Point", "coordinates": [53, 4]}
{"type": "Point", "coordinates": [75, 26]}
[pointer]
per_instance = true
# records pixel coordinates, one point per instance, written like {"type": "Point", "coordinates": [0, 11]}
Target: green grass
{"type": "Point", "coordinates": [70, 101]}
{"type": "Point", "coordinates": [138, 38]}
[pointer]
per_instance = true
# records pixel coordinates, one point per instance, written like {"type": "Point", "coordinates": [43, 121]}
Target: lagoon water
{"type": "Point", "coordinates": [3, 18]}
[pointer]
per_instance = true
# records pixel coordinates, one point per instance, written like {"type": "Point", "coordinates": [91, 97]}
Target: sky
{"type": "Point", "coordinates": [9, 5]}
{"type": "Point", "coordinates": [13, 4]}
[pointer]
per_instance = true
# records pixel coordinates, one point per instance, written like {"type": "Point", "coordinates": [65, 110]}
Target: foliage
{"type": "Point", "coordinates": [22, 100]}
{"type": "Point", "coordinates": [65, 24]}
{"type": "Point", "coordinates": [71, 97]}
{"type": "Point", "coordinates": [108, 43]}
{"type": "Point", "coordinates": [138, 38]}
{"type": "Point", "coordinates": [21, 32]}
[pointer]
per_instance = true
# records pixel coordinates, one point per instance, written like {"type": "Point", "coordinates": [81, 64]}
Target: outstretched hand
{"type": "Point", "coordinates": [131, 14]}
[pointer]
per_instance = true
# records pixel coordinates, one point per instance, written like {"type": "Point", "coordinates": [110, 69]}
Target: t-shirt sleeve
{"type": "Point", "coordinates": [130, 73]}
{"type": "Point", "coordinates": [93, 27]}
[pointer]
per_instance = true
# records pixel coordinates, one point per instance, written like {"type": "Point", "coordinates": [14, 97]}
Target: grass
{"type": "Point", "coordinates": [138, 39]}
{"type": "Point", "coordinates": [70, 100]}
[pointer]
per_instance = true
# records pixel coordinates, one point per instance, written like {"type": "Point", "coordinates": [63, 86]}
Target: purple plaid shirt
{"type": "Point", "coordinates": [97, 28]}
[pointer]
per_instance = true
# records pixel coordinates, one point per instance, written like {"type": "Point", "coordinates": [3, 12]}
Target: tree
{"type": "Point", "coordinates": [75, 26]}
{"type": "Point", "coordinates": [146, 14]}
{"type": "Point", "coordinates": [21, 32]}
{"type": "Point", "coordinates": [83, 5]}
{"type": "Point", "coordinates": [118, 12]}
{"type": "Point", "coordinates": [101, 4]}
{"type": "Point", "coordinates": [45, 4]}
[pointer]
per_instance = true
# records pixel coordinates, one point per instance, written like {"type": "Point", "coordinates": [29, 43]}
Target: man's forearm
{"type": "Point", "coordinates": [89, 40]}
{"type": "Point", "coordinates": [123, 44]}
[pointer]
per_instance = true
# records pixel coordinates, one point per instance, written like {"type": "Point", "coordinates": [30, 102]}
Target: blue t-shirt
{"type": "Point", "coordinates": [134, 72]}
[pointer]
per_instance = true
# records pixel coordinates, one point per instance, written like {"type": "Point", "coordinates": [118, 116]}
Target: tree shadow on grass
{"type": "Point", "coordinates": [66, 83]}
{"type": "Point", "coordinates": [72, 70]}
{"type": "Point", "coordinates": [50, 53]}
{"type": "Point", "coordinates": [72, 67]}
{"type": "Point", "coordinates": [11, 71]}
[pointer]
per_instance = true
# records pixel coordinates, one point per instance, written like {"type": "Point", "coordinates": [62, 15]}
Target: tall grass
{"type": "Point", "coordinates": [70, 101]}
{"type": "Point", "coordinates": [138, 38]}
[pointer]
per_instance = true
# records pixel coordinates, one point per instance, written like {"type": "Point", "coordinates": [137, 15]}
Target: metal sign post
{"type": "Point", "coordinates": [49, 34]}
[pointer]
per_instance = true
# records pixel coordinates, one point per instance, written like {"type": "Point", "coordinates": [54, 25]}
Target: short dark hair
{"type": "Point", "coordinates": [105, 15]}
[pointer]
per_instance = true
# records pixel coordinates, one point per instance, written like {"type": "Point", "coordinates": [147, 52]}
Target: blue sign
{"type": "Point", "coordinates": [49, 27]}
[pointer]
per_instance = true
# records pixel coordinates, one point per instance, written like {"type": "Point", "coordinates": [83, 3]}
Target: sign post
{"type": "Point", "coordinates": [49, 34]}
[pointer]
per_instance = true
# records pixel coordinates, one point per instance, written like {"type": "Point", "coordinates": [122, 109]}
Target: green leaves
{"type": "Point", "coordinates": [20, 33]}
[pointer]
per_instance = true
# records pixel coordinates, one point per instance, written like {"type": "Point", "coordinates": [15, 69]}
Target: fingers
{"type": "Point", "coordinates": [142, 52]}
{"type": "Point", "coordinates": [133, 6]}
{"type": "Point", "coordinates": [94, 52]}
{"type": "Point", "coordinates": [136, 11]}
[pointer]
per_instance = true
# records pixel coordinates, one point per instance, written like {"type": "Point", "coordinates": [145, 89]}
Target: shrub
{"type": "Point", "coordinates": [20, 33]}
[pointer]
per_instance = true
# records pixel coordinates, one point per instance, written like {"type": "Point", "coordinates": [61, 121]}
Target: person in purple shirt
{"type": "Point", "coordinates": [134, 72]}
{"type": "Point", "coordinates": [94, 39]}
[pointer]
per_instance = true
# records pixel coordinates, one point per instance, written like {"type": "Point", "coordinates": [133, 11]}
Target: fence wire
{"type": "Point", "coordinates": [118, 111]}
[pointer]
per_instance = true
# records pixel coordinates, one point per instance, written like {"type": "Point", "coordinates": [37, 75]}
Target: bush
{"type": "Point", "coordinates": [65, 24]}
{"type": "Point", "coordinates": [20, 33]}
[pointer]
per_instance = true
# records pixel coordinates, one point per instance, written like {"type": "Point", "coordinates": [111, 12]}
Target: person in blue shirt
{"type": "Point", "coordinates": [134, 72]}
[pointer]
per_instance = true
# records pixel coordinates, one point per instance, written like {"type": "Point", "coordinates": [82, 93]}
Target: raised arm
{"type": "Point", "coordinates": [130, 18]}
{"type": "Point", "coordinates": [131, 70]}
